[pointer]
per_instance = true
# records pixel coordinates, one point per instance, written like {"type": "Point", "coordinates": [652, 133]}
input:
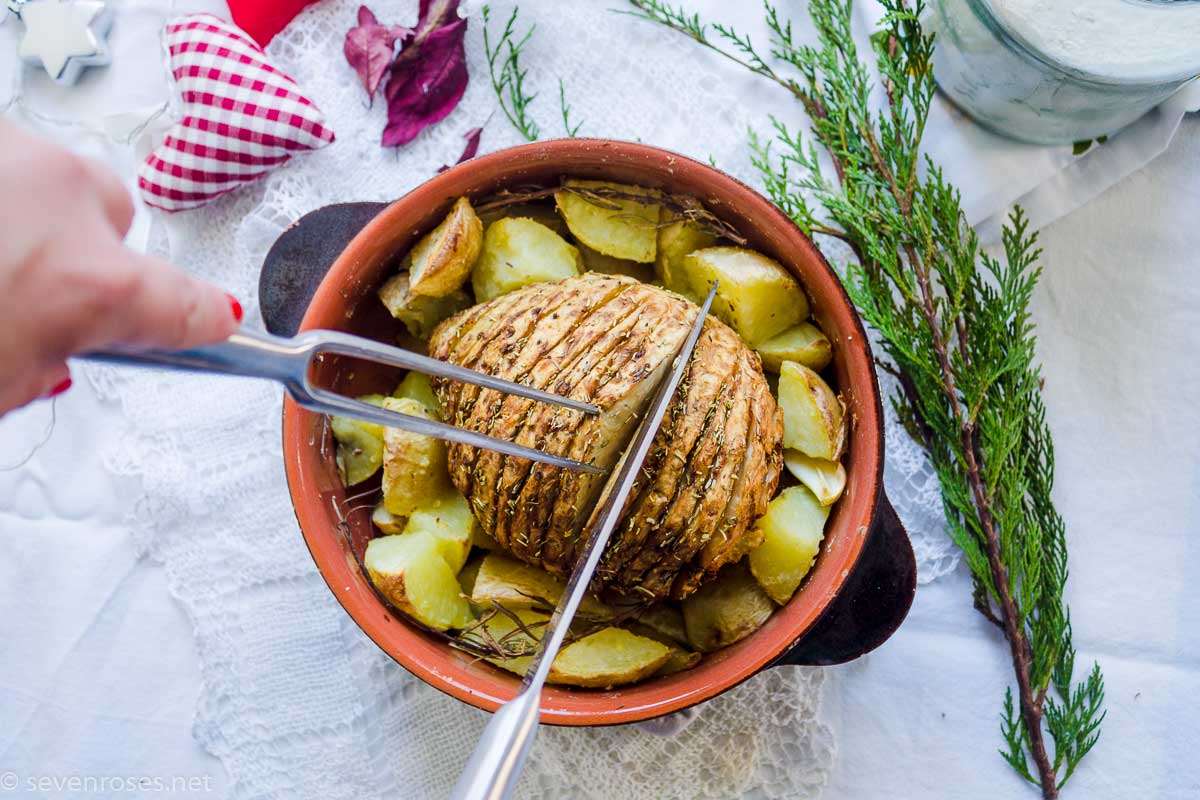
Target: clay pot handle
{"type": "Point", "coordinates": [301, 256]}
{"type": "Point", "coordinates": [871, 604]}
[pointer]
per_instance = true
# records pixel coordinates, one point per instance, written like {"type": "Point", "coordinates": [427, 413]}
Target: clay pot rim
{"type": "Point", "coordinates": [409, 646]}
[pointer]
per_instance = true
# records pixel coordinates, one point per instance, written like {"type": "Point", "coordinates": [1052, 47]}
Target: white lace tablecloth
{"type": "Point", "coordinates": [161, 617]}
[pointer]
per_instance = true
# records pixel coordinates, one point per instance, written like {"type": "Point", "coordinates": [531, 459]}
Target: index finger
{"type": "Point", "coordinates": [165, 307]}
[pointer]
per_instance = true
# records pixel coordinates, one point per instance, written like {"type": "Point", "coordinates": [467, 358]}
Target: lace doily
{"type": "Point", "coordinates": [296, 700]}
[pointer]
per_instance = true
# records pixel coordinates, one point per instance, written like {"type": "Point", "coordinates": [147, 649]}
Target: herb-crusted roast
{"type": "Point", "coordinates": [606, 339]}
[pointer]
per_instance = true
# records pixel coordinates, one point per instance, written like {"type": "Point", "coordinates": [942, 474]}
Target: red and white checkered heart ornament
{"type": "Point", "coordinates": [242, 117]}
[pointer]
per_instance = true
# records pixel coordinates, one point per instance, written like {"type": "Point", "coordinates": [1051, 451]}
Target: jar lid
{"type": "Point", "coordinates": [1113, 41]}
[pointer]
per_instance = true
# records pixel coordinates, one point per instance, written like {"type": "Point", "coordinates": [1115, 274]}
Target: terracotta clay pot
{"type": "Point", "coordinates": [861, 586]}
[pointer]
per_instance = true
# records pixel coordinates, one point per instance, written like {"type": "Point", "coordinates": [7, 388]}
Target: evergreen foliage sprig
{"type": "Point", "coordinates": [571, 130]}
{"type": "Point", "coordinates": [508, 77]}
{"type": "Point", "coordinates": [955, 325]}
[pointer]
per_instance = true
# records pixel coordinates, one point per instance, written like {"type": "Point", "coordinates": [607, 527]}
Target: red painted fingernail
{"type": "Point", "coordinates": [236, 306]}
{"type": "Point", "coordinates": [59, 388]}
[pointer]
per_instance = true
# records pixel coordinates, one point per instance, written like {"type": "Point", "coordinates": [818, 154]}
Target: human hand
{"type": "Point", "coordinates": [69, 285]}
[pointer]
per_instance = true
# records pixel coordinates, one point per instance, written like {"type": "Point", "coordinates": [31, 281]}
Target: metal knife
{"type": "Point", "coordinates": [495, 766]}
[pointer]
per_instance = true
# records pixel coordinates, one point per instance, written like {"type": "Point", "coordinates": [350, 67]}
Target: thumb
{"type": "Point", "coordinates": [170, 309]}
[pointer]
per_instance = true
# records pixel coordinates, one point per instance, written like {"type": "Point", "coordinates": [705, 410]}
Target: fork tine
{"type": "Point", "coordinates": [357, 347]}
{"type": "Point", "coordinates": [331, 403]}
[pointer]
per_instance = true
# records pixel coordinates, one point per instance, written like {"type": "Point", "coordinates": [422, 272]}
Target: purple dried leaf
{"type": "Point", "coordinates": [428, 78]}
{"type": "Point", "coordinates": [370, 47]}
{"type": "Point", "coordinates": [472, 137]}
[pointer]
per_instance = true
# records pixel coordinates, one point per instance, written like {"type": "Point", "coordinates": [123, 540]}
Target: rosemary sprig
{"type": "Point", "coordinates": [507, 75]}
{"type": "Point", "coordinates": [955, 325]}
{"type": "Point", "coordinates": [479, 639]}
{"type": "Point", "coordinates": [508, 78]}
{"type": "Point", "coordinates": [571, 130]}
{"type": "Point", "coordinates": [681, 205]}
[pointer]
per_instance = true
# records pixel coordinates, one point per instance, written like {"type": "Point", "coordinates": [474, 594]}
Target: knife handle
{"type": "Point", "coordinates": [495, 765]}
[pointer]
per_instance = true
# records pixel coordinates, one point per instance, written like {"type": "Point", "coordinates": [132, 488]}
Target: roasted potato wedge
{"type": "Point", "coordinates": [466, 578]}
{"type": "Point", "coordinates": [450, 521]}
{"type": "Point", "coordinates": [793, 528]}
{"type": "Point", "coordinates": [825, 479]}
{"type": "Point", "coordinates": [410, 572]}
{"type": "Point", "coordinates": [609, 657]}
{"type": "Point", "coordinates": [417, 387]}
{"type": "Point", "coordinates": [420, 314]}
{"type": "Point", "coordinates": [619, 228]}
{"type": "Point", "coordinates": [359, 445]}
{"type": "Point", "coordinates": [518, 252]}
{"type": "Point", "coordinates": [756, 296]}
{"type": "Point", "coordinates": [545, 214]}
{"type": "Point", "coordinates": [414, 465]}
{"type": "Point", "coordinates": [388, 523]}
{"type": "Point", "coordinates": [679, 660]}
{"type": "Point", "coordinates": [813, 416]}
{"type": "Point", "coordinates": [595, 261]}
{"type": "Point", "coordinates": [725, 610]}
{"type": "Point", "coordinates": [518, 585]}
{"type": "Point", "coordinates": [665, 621]}
{"type": "Point", "coordinates": [676, 240]}
{"type": "Point", "coordinates": [441, 261]}
{"type": "Point", "coordinates": [804, 344]}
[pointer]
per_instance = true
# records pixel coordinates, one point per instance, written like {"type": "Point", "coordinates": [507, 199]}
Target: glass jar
{"type": "Point", "coordinates": [1056, 72]}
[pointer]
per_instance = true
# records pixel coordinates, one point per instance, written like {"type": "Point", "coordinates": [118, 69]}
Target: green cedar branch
{"type": "Point", "coordinates": [955, 325]}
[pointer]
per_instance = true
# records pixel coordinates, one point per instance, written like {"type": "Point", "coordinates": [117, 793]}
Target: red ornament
{"type": "Point", "coordinates": [262, 19]}
{"type": "Point", "coordinates": [242, 117]}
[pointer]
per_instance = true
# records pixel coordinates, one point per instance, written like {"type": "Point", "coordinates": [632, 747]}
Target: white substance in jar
{"type": "Point", "coordinates": [1124, 41]}
{"type": "Point", "coordinates": [1058, 71]}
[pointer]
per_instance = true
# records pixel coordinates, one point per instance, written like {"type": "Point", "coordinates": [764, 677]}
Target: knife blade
{"type": "Point", "coordinates": [492, 771]}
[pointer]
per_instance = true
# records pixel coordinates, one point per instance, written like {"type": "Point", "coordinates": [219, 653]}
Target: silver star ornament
{"type": "Point", "coordinates": [64, 36]}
